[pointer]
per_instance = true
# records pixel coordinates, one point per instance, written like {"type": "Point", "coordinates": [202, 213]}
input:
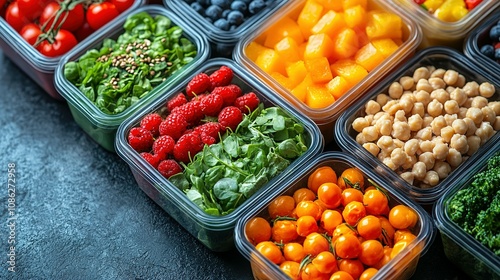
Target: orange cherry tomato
{"type": "Point", "coordinates": [310, 272]}
{"type": "Point", "coordinates": [303, 194]}
{"type": "Point", "coordinates": [271, 251]}
{"type": "Point", "coordinates": [353, 267]}
{"type": "Point", "coordinates": [342, 229]}
{"type": "Point", "coordinates": [404, 234]}
{"type": "Point", "coordinates": [324, 174]}
{"type": "Point", "coordinates": [376, 202]}
{"type": "Point", "coordinates": [281, 206]}
{"type": "Point", "coordinates": [368, 273]}
{"type": "Point", "coordinates": [315, 243]}
{"type": "Point", "coordinates": [257, 230]}
{"type": "Point", "coordinates": [402, 217]}
{"type": "Point", "coordinates": [330, 219]}
{"type": "Point", "coordinates": [385, 259]}
{"type": "Point", "coordinates": [293, 251]}
{"type": "Point", "coordinates": [353, 212]}
{"type": "Point", "coordinates": [398, 248]}
{"type": "Point", "coordinates": [369, 227]}
{"type": "Point", "coordinates": [347, 246]}
{"type": "Point", "coordinates": [387, 235]}
{"type": "Point", "coordinates": [351, 177]}
{"type": "Point", "coordinates": [306, 225]}
{"type": "Point", "coordinates": [325, 262]}
{"type": "Point", "coordinates": [351, 194]}
{"type": "Point", "coordinates": [372, 252]}
{"type": "Point", "coordinates": [291, 269]}
{"type": "Point", "coordinates": [308, 208]}
{"type": "Point", "coordinates": [284, 231]}
{"type": "Point", "coordinates": [330, 194]}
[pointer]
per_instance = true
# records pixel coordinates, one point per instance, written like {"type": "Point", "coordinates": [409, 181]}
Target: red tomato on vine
{"type": "Point", "coordinates": [14, 17]}
{"type": "Point", "coordinates": [30, 33]}
{"type": "Point", "coordinates": [73, 18]}
{"type": "Point", "coordinates": [63, 42]}
{"type": "Point", "coordinates": [98, 14]}
{"type": "Point", "coordinates": [122, 5]}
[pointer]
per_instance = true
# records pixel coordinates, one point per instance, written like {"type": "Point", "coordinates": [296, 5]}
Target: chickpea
{"type": "Point", "coordinates": [423, 85]}
{"type": "Point", "coordinates": [488, 115]}
{"type": "Point", "coordinates": [384, 126]}
{"type": "Point", "coordinates": [424, 134]}
{"type": "Point", "coordinates": [461, 81]}
{"type": "Point", "coordinates": [369, 119]}
{"type": "Point", "coordinates": [435, 108]}
{"type": "Point", "coordinates": [442, 169]}
{"type": "Point", "coordinates": [459, 126]}
{"type": "Point", "coordinates": [382, 99]}
{"type": "Point", "coordinates": [426, 146]}
{"type": "Point", "coordinates": [370, 133]}
{"type": "Point", "coordinates": [359, 123]}
{"type": "Point", "coordinates": [431, 178]}
{"type": "Point", "coordinates": [423, 97]}
{"type": "Point", "coordinates": [400, 116]}
{"type": "Point", "coordinates": [485, 131]}
{"type": "Point", "coordinates": [387, 161]}
{"type": "Point", "coordinates": [437, 124]}
{"type": "Point", "coordinates": [450, 77]}
{"type": "Point", "coordinates": [407, 82]}
{"type": "Point", "coordinates": [471, 89]}
{"type": "Point", "coordinates": [406, 104]}
{"type": "Point", "coordinates": [447, 133]}
{"type": "Point", "coordinates": [395, 90]}
{"type": "Point", "coordinates": [486, 90]}
{"type": "Point", "coordinates": [418, 109]}
{"type": "Point", "coordinates": [385, 143]}
{"type": "Point", "coordinates": [411, 146]}
{"type": "Point", "coordinates": [372, 148]}
{"type": "Point", "coordinates": [458, 95]}
{"type": "Point", "coordinates": [474, 143]}
{"type": "Point", "coordinates": [419, 169]}
{"type": "Point", "coordinates": [408, 177]}
{"type": "Point", "coordinates": [398, 157]}
{"type": "Point", "coordinates": [440, 151]}
{"type": "Point", "coordinates": [392, 107]}
{"type": "Point", "coordinates": [427, 121]}
{"type": "Point", "coordinates": [451, 107]}
{"type": "Point", "coordinates": [476, 115]}
{"type": "Point", "coordinates": [421, 73]}
{"type": "Point", "coordinates": [496, 125]}
{"type": "Point", "coordinates": [440, 95]}
{"type": "Point", "coordinates": [437, 83]}
{"type": "Point", "coordinates": [379, 115]}
{"type": "Point", "coordinates": [383, 155]}
{"type": "Point", "coordinates": [471, 126]}
{"type": "Point", "coordinates": [398, 143]}
{"type": "Point", "coordinates": [450, 118]}
{"type": "Point", "coordinates": [495, 106]}
{"type": "Point", "coordinates": [454, 158]}
{"type": "Point", "coordinates": [431, 69]}
{"type": "Point", "coordinates": [462, 112]}
{"type": "Point", "coordinates": [459, 143]}
{"type": "Point", "coordinates": [479, 102]}
{"type": "Point", "coordinates": [401, 131]}
{"type": "Point", "coordinates": [415, 122]}
{"type": "Point", "coordinates": [468, 102]}
{"type": "Point", "coordinates": [372, 107]}
{"type": "Point", "coordinates": [410, 161]}
{"type": "Point", "coordinates": [438, 73]}
{"type": "Point", "coordinates": [450, 89]}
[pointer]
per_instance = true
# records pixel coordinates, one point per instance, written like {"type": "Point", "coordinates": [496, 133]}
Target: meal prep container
{"type": "Point", "coordinates": [461, 248]}
{"type": "Point", "coordinates": [480, 37]}
{"type": "Point", "coordinates": [440, 33]}
{"type": "Point", "coordinates": [215, 232]}
{"type": "Point", "coordinates": [401, 267]}
{"type": "Point", "coordinates": [100, 126]}
{"type": "Point", "coordinates": [325, 118]}
{"type": "Point", "coordinates": [440, 57]}
{"type": "Point", "coordinates": [222, 42]}
{"type": "Point", "coordinates": [38, 67]}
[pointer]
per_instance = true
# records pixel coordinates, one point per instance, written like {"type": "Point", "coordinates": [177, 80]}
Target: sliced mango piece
{"type": "Point", "coordinates": [318, 97]}
{"type": "Point", "coordinates": [282, 80]}
{"type": "Point", "coordinates": [253, 50]}
{"type": "Point", "coordinates": [296, 72]}
{"type": "Point", "coordinates": [345, 44]}
{"type": "Point", "coordinates": [350, 70]}
{"type": "Point", "coordinates": [369, 57]}
{"type": "Point", "coordinates": [355, 17]}
{"type": "Point", "coordinates": [309, 16]}
{"type": "Point", "coordinates": [288, 50]}
{"type": "Point", "coordinates": [337, 87]}
{"type": "Point", "coordinates": [319, 45]}
{"type": "Point", "coordinates": [270, 61]}
{"type": "Point", "coordinates": [334, 5]}
{"type": "Point", "coordinates": [285, 27]}
{"type": "Point", "coordinates": [385, 46]}
{"type": "Point", "coordinates": [300, 91]}
{"type": "Point", "coordinates": [319, 69]}
{"type": "Point", "coordinates": [330, 23]}
{"type": "Point", "coordinates": [382, 24]}
{"type": "Point", "coordinates": [346, 4]}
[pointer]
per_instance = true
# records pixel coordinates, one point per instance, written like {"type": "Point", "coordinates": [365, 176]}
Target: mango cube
{"type": "Point", "coordinates": [355, 17]}
{"type": "Point", "coordinates": [309, 16]}
{"type": "Point", "coordinates": [347, 68]}
{"type": "Point", "coordinates": [253, 50]}
{"type": "Point", "coordinates": [345, 44]}
{"type": "Point", "coordinates": [270, 61]}
{"type": "Point", "coordinates": [330, 23]}
{"type": "Point", "coordinates": [318, 97]}
{"type": "Point", "coordinates": [369, 57]}
{"type": "Point", "coordinates": [334, 5]}
{"type": "Point", "coordinates": [282, 80]}
{"type": "Point", "coordinates": [319, 69]}
{"type": "Point", "coordinates": [285, 27]}
{"type": "Point", "coordinates": [288, 50]}
{"type": "Point", "coordinates": [296, 72]}
{"type": "Point", "coordinates": [382, 24]}
{"type": "Point", "coordinates": [300, 91]}
{"type": "Point", "coordinates": [338, 86]}
{"type": "Point", "coordinates": [385, 46]}
{"type": "Point", "coordinates": [346, 4]}
{"type": "Point", "coordinates": [319, 45]}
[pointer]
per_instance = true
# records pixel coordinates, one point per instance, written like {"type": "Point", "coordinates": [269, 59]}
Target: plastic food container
{"type": "Point", "coordinates": [401, 267]}
{"type": "Point", "coordinates": [37, 66]}
{"type": "Point", "coordinates": [325, 117]}
{"type": "Point", "coordinates": [98, 125]}
{"type": "Point", "coordinates": [222, 42]}
{"type": "Point", "coordinates": [439, 57]}
{"type": "Point", "coordinates": [215, 232]}
{"type": "Point", "coordinates": [461, 248]}
{"type": "Point", "coordinates": [480, 37]}
{"type": "Point", "coordinates": [437, 32]}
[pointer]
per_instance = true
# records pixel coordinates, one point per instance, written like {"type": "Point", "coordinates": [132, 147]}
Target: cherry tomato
{"type": "Point", "coordinates": [325, 262]}
{"type": "Point", "coordinates": [353, 212]}
{"type": "Point", "coordinates": [340, 230]}
{"type": "Point", "coordinates": [402, 217]}
{"type": "Point", "coordinates": [303, 194]}
{"type": "Point", "coordinates": [315, 243]}
{"type": "Point", "coordinates": [30, 33]}
{"type": "Point", "coordinates": [291, 268]}
{"type": "Point", "coordinates": [257, 230]}
{"type": "Point", "coordinates": [308, 208]}
{"type": "Point", "coordinates": [330, 219]}
{"type": "Point", "coordinates": [71, 20]}
{"type": "Point", "coordinates": [64, 41]}
{"type": "Point", "coordinates": [351, 177]}
{"type": "Point", "coordinates": [385, 259]}
{"type": "Point", "coordinates": [2, 3]}
{"type": "Point", "coordinates": [368, 273]}
{"type": "Point", "coordinates": [330, 194]}
{"type": "Point", "coordinates": [98, 14]}
{"type": "Point", "coordinates": [347, 246]}
{"type": "Point", "coordinates": [31, 8]}
{"type": "Point", "coordinates": [351, 194]}
{"type": "Point", "coordinates": [311, 272]}
{"type": "Point", "coordinates": [341, 275]}
{"type": "Point", "coordinates": [471, 4]}
{"type": "Point", "coordinates": [122, 5]}
{"type": "Point", "coordinates": [306, 225]}
{"type": "Point", "coordinates": [387, 235]}
{"type": "Point", "coordinates": [84, 31]}
{"type": "Point", "coordinates": [371, 253]}
{"type": "Point", "coordinates": [14, 17]}
{"type": "Point", "coordinates": [293, 251]}
{"type": "Point", "coordinates": [281, 206]}
{"type": "Point", "coordinates": [376, 202]}
{"type": "Point", "coordinates": [324, 174]}
{"type": "Point", "coordinates": [353, 267]}
{"type": "Point", "coordinates": [271, 251]}
{"type": "Point", "coordinates": [284, 231]}
{"type": "Point", "coordinates": [404, 234]}
{"type": "Point", "coordinates": [369, 227]}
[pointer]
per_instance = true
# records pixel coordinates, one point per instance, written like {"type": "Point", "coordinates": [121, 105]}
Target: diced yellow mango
{"type": "Point", "coordinates": [347, 68]}
{"type": "Point", "coordinates": [369, 57]}
{"type": "Point", "coordinates": [253, 50]}
{"type": "Point", "coordinates": [285, 27]}
{"type": "Point", "coordinates": [337, 87]}
{"type": "Point", "coordinates": [432, 5]}
{"type": "Point", "coordinates": [300, 91]}
{"type": "Point", "coordinates": [309, 16]}
{"type": "Point", "coordinates": [330, 23]}
{"type": "Point", "coordinates": [355, 17]}
{"type": "Point", "coordinates": [383, 24]}
{"type": "Point", "coordinates": [270, 62]}
{"type": "Point", "coordinates": [385, 46]}
{"type": "Point", "coordinates": [451, 11]}
{"type": "Point", "coordinates": [282, 80]}
{"type": "Point", "coordinates": [335, 5]}
{"type": "Point", "coordinates": [319, 45]}
{"type": "Point", "coordinates": [345, 44]}
{"type": "Point", "coordinates": [296, 72]}
{"type": "Point", "coordinates": [346, 4]}
{"type": "Point", "coordinates": [318, 97]}
{"type": "Point", "coordinates": [319, 69]}
{"type": "Point", "coordinates": [288, 50]}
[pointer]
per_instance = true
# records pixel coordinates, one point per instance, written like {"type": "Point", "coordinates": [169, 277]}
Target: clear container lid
{"type": "Point", "coordinates": [38, 61]}
{"type": "Point", "coordinates": [440, 57]}
{"type": "Point", "coordinates": [412, 38]}
{"type": "Point", "coordinates": [247, 82]}
{"type": "Point", "coordinates": [424, 230]}
{"type": "Point", "coordinates": [78, 100]}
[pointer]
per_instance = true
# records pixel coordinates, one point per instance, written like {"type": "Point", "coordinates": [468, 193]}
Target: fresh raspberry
{"type": "Point", "coordinates": [154, 160]}
{"type": "Point", "coordinates": [191, 111]}
{"type": "Point", "coordinates": [221, 77]}
{"type": "Point", "coordinates": [198, 85]}
{"type": "Point", "coordinates": [211, 129]}
{"type": "Point", "coordinates": [173, 125]}
{"type": "Point", "coordinates": [211, 104]}
{"type": "Point", "coordinates": [140, 139]}
{"type": "Point", "coordinates": [178, 100]}
{"type": "Point", "coordinates": [152, 123]}
{"type": "Point", "coordinates": [163, 146]}
{"type": "Point", "coordinates": [187, 147]}
{"type": "Point", "coordinates": [229, 93]}
{"type": "Point", "coordinates": [169, 167]}
{"type": "Point", "coordinates": [230, 117]}
{"type": "Point", "coordinates": [247, 102]}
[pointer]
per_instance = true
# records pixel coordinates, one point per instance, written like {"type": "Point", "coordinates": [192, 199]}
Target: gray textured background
{"type": "Point", "coordinates": [81, 214]}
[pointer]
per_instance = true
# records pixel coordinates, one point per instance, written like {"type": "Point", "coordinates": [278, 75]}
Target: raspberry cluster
{"type": "Point", "coordinates": [210, 105]}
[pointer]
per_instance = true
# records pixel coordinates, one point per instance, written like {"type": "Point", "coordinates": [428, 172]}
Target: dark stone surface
{"type": "Point", "coordinates": [80, 213]}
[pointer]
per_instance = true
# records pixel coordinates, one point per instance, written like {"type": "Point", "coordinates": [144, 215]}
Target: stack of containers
{"type": "Point", "coordinates": [37, 66]}
{"type": "Point", "coordinates": [101, 126]}
{"type": "Point", "coordinates": [222, 42]}
{"type": "Point", "coordinates": [325, 117]}
{"type": "Point", "coordinates": [213, 231]}
{"type": "Point", "coordinates": [441, 33]}
{"type": "Point", "coordinates": [437, 57]}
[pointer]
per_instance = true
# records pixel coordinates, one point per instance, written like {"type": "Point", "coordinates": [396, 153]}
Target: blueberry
{"type": "Point", "coordinates": [222, 24]}
{"type": "Point", "coordinates": [235, 18]}
{"type": "Point", "coordinates": [214, 12]}
{"type": "Point", "coordinates": [239, 6]}
{"type": "Point", "coordinates": [488, 51]}
{"type": "Point", "coordinates": [225, 13]}
{"type": "Point", "coordinates": [497, 54]}
{"type": "Point", "coordinates": [495, 33]}
{"type": "Point", "coordinates": [204, 3]}
{"type": "Point", "coordinates": [256, 6]}
{"type": "Point", "coordinates": [221, 3]}
{"type": "Point", "coordinates": [198, 8]}
{"type": "Point", "coordinates": [224, 50]}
